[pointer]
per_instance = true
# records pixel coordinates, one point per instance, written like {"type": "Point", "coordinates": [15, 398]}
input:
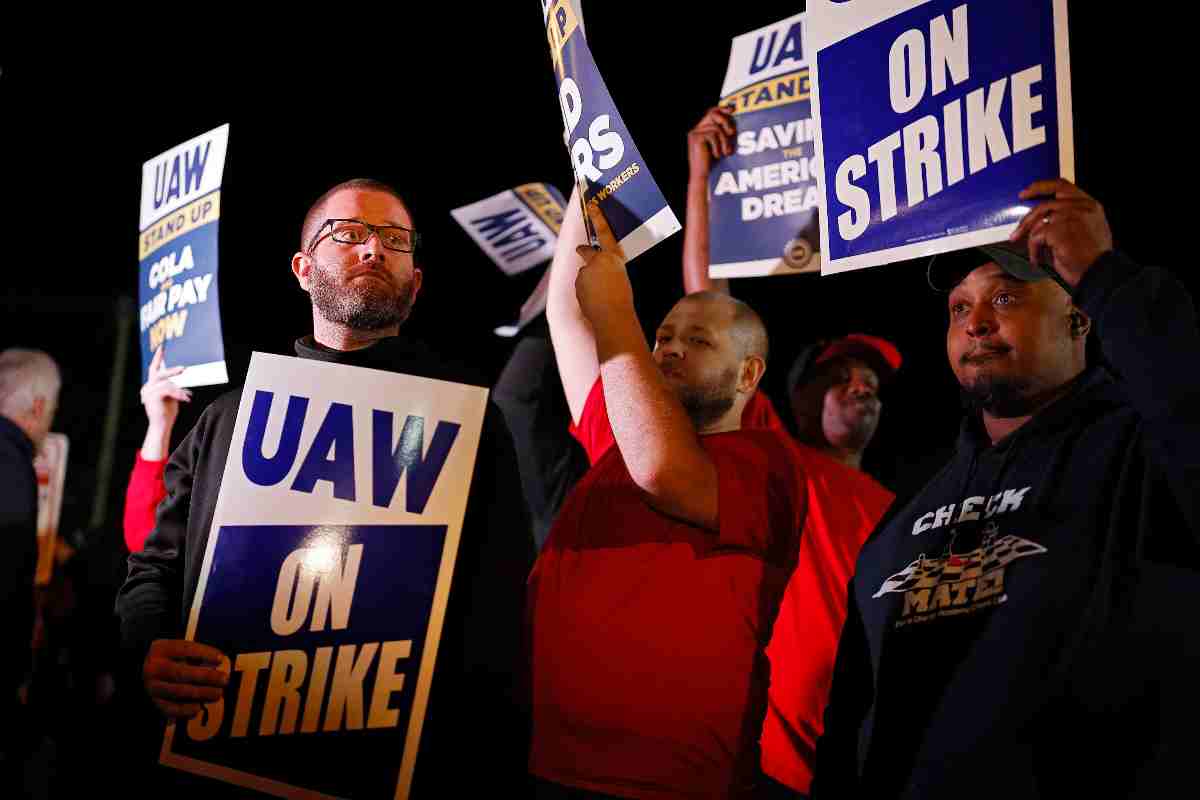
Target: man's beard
{"type": "Point", "coordinates": [858, 427]}
{"type": "Point", "coordinates": [1000, 397]}
{"type": "Point", "coordinates": [705, 404]}
{"type": "Point", "coordinates": [362, 306]}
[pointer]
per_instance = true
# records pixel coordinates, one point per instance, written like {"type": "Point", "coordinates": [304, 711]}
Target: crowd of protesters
{"type": "Point", "coordinates": [773, 622]}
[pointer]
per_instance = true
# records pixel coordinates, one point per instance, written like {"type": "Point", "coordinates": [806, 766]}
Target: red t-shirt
{"type": "Point", "coordinates": [844, 505]}
{"type": "Point", "coordinates": [648, 674]}
{"type": "Point", "coordinates": [145, 491]}
{"type": "Point", "coordinates": [596, 436]}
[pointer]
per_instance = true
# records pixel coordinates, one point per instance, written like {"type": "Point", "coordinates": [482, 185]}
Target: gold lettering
{"type": "Point", "coordinates": [960, 591]}
{"type": "Point", "coordinates": [990, 585]}
{"type": "Point", "coordinates": [915, 601]}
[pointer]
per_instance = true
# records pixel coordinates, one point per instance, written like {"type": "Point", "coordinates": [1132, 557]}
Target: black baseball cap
{"type": "Point", "coordinates": [946, 270]}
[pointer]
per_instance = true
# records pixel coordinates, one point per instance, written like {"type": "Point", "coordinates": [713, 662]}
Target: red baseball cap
{"type": "Point", "coordinates": [883, 356]}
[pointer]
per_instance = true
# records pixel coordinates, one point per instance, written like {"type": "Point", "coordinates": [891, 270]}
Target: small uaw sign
{"type": "Point", "coordinates": [606, 162]}
{"type": "Point", "coordinates": [326, 577]}
{"type": "Point", "coordinates": [177, 258]}
{"type": "Point", "coordinates": [763, 198]}
{"type": "Point", "coordinates": [932, 115]}
{"type": "Point", "coordinates": [516, 228]}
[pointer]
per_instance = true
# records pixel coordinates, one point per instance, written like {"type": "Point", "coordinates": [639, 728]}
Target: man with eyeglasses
{"type": "Point", "coordinates": [356, 262]}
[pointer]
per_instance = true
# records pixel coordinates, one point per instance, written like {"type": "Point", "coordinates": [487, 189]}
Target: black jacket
{"type": "Point", "coordinates": [1026, 626]}
{"type": "Point", "coordinates": [18, 531]}
{"type": "Point", "coordinates": [476, 712]}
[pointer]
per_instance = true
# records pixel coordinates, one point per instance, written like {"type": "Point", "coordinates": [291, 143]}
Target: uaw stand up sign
{"type": "Point", "coordinates": [177, 259]}
{"type": "Point", "coordinates": [763, 198]}
{"type": "Point", "coordinates": [326, 577]}
{"type": "Point", "coordinates": [932, 115]}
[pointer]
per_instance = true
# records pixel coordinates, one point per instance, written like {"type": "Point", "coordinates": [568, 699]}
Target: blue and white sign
{"type": "Point", "coordinates": [931, 116]}
{"type": "Point", "coordinates": [763, 198]}
{"type": "Point", "coordinates": [606, 162]}
{"type": "Point", "coordinates": [177, 258]}
{"type": "Point", "coordinates": [326, 577]}
{"type": "Point", "coordinates": [516, 228]}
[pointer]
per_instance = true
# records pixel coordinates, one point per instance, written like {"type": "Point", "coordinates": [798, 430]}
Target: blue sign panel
{"type": "Point", "coordinates": [604, 157]}
{"type": "Point", "coordinates": [317, 678]}
{"type": "Point", "coordinates": [933, 120]}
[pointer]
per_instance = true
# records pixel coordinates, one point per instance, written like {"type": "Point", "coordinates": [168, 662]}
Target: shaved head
{"type": "Point", "coordinates": [712, 350]}
{"type": "Point", "coordinates": [746, 326]}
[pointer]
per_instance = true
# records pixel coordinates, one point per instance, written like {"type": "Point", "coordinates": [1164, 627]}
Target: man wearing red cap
{"type": "Point", "coordinates": [833, 391]}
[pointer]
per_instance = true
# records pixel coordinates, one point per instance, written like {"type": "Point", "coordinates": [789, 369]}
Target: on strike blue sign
{"type": "Point", "coordinates": [931, 116]}
{"type": "Point", "coordinates": [605, 159]}
{"type": "Point", "coordinates": [177, 259]}
{"type": "Point", "coordinates": [324, 643]}
{"type": "Point", "coordinates": [763, 198]}
{"type": "Point", "coordinates": [326, 576]}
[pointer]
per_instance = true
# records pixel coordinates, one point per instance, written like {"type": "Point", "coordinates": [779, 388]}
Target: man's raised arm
{"type": "Point", "coordinates": [656, 437]}
{"type": "Point", "coordinates": [711, 139]}
{"type": "Point", "coordinates": [1144, 319]}
{"type": "Point", "coordinates": [570, 331]}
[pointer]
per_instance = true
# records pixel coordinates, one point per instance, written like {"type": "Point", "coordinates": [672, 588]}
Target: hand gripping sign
{"type": "Point", "coordinates": [763, 198]}
{"type": "Point", "coordinates": [177, 258]}
{"type": "Point", "coordinates": [931, 116]}
{"type": "Point", "coordinates": [326, 576]}
{"type": "Point", "coordinates": [606, 162]}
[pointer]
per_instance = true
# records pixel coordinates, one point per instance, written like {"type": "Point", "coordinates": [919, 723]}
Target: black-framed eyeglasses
{"type": "Point", "coordinates": [355, 231]}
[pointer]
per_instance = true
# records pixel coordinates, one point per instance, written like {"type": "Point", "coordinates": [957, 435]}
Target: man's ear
{"type": "Point", "coordinates": [753, 369]}
{"type": "Point", "coordinates": [417, 275]}
{"type": "Point", "coordinates": [38, 410]}
{"type": "Point", "coordinates": [302, 266]}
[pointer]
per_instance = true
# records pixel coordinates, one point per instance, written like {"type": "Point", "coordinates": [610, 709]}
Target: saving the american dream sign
{"type": "Point", "coordinates": [763, 198]}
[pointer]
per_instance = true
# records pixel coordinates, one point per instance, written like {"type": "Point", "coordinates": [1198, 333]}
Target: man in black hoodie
{"type": "Point", "coordinates": [356, 263]}
{"type": "Point", "coordinates": [1025, 626]}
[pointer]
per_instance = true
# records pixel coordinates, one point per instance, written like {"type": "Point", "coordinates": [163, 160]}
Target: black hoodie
{"type": "Point", "coordinates": [1027, 625]}
{"type": "Point", "coordinates": [476, 711]}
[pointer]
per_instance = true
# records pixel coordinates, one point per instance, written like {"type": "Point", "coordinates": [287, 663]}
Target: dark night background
{"type": "Point", "coordinates": [451, 103]}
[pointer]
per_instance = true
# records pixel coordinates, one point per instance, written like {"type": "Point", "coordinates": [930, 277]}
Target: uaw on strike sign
{"type": "Point", "coordinates": [605, 159]}
{"type": "Point", "coordinates": [177, 259]}
{"type": "Point", "coordinates": [326, 577]}
{"type": "Point", "coordinates": [932, 115]}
